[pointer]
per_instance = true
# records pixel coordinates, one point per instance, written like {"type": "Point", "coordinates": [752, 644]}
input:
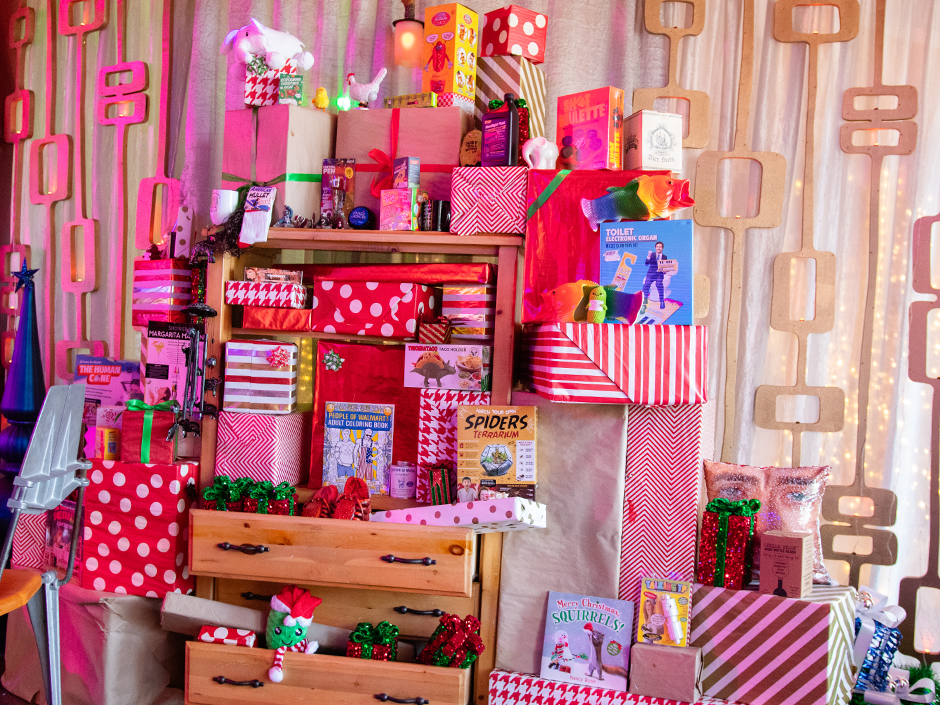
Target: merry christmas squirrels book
{"type": "Point", "coordinates": [587, 640]}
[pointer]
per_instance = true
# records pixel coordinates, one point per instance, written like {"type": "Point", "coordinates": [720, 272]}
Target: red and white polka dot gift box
{"type": "Point", "coordinates": [514, 31]}
{"type": "Point", "coordinates": [136, 528]}
{"type": "Point", "coordinates": [385, 309]}
{"type": "Point", "coordinates": [484, 517]}
{"type": "Point", "coordinates": [227, 635]}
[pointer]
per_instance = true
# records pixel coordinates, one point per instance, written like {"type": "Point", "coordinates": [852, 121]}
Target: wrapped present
{"type": "Point", "coordinates": [450, 46]}
{"type": "Point", "coordinates": [455, 100]}
{"type": "Point", "coordinates": [145, 432]}
{"type": "Point", "coordinates": [434, 331]}
{"type": "Point", "coordinates": [877, 638]}
{"type": "Point", "coordinates": [290, 144]}
{"type": "Point", "coordinates": [767, 650]}
{"type": "Point", "coordinates": [653, 140]}
{"type": "Point", "coordinates": [513, 31]}
{"type": "Point", "coordinates": [412, 100]}
{"type": "Point", "coordinates": [399, 209]}
{"type": "Point", "coordinates": [264, 446]}
{"type": "Point", "coordinates": [471, 311]}
{"type": "Point", "coordinates": [226, 635]}
{"type": "Point", "coordinates": [488, 200]}
{"type": "Point", "coordinates": [260, 377]}
{"type": "Point", "coordinates": [162, 289]}
{"type": "Point", "coordinates": [429, 273]}
{"type": "Point", "coordinates": [262, 84]}
{"type": "Point", "coordinates": [375, 138]}
{"type": "Point", "coordinates": [483, 517]}
{"type": "Point", "coordinates": [387, 309]}
{"type": "Point", "coordinates": [670, 673]}
{"type": "Point", "coordinates": [263, 318]}
{"type": "Point", "coordinates": [378, 643]}
{"type": "Point", "coordinates": [437, 442]}
{"type": "Point", "coordinates": [456, 643]}
{"type": "Point", "coordinates": [267, 294]}
{"type": "Point", "coordinates": [29, 541]}
{"type": "Point", "coordinates": [225, 494]}
{"type": "Point", "coordinates": [267, 498]}
{"type": "Point", "coordinates": [590, 129]}
{"type": "Point", "coordinates": [726, 551]}
{"type": "Point", "coordinates": [136, 528]}
{"type": "Point", "coordinates": [499, 75]}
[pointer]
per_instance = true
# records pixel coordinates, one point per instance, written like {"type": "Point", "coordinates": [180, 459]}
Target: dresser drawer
{"type": "Point", "coordinates": [345, 608]}
{"type": "Point", "coordinates": [314, 679]}
{"type": "Point", "coordinates": [331, 552]}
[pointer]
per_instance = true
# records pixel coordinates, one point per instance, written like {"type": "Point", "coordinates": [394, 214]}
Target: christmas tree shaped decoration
{"type": "Point", "coordinates": [25, 388]}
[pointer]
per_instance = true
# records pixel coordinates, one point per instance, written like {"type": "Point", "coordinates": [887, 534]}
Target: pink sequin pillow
{"type": "Point", "coordinates": [790, 500]}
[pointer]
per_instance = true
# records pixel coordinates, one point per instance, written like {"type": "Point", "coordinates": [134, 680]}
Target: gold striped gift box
{"type": "Point", "coordinates": [499, 75]}
{"type": "Point", "coordinates": [766, 650]}
{"type": "Point", "coordinates": [471, 310]}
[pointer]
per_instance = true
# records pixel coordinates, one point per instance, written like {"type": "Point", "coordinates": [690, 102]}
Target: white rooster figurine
{"type": "Point", "coordinates": [364, 93]}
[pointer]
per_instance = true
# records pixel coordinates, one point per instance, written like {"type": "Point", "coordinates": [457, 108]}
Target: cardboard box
{"type": "Point", "coordinates": [412, 100]}
{"type": "Point", "coordinates": [589, 130]}
{"type": "Point", "coordinates": [450, 46]}
{"type": "Point", "coordinates": [653, 140]}
{"type": "Point", "coordinates": [650, 264]}
{"type": "Point", "coordinates": [289, 140]}
{"type": "Point", "coordinates": [482, 516]}
{"type": "Point", "coordinates": [399, 209]}
{"type": "Point", "coordinates": [406, 173]}
{"type": "Point", "coordinates": [460, 367]}
{"type": "Point", "coordinates": [787, 561]}
{"type": "Point", "coordinates": [667, 672]}
{"type": "Point", "coordinates": [498, 75]}
{"type": "Point", "coordinates": [187, 614]}
{"type": "Point", "coordinates": [664, 612]}
{"type": "Point", "coordinates": [514, 31]}
{"type": "Point", "coordinates": [496, 448]}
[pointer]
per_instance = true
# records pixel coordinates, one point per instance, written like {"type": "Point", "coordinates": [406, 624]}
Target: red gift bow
{"type": "Point", "coordinates": [383, 162]}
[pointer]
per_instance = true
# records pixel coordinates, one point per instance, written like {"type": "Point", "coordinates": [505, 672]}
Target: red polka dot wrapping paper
{"type": "Point", "coordinates": [489, 200]}
{"type": "Point", "coordinates": [227, 635]}
{"type": "Point", "coordinates": [136, 528]}
{"type": "Point", "coordinates": [483, 517]}
{"type": "Point", "coordinates": [386, 309]}
{"type": "Point", "coordinates": [29, 541]}
{"type": "Point", "coordinates": [514, 31]}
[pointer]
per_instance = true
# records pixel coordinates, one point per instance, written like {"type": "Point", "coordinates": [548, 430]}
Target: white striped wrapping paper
{"type": "Point", "coordinates": [489, 200]}
{"type": "Point", "coordinates": [609, 363]}
{"type": "Point", "coordinates": [498, 75]}
{"type": "Point", "coordinates": [254, 386]}
{"type": "Point", "coordinates": [766, 650]}
{"type": "Point", "coordinates": [471, 309]}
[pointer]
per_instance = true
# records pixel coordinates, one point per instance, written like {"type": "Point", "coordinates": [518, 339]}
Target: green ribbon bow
{"type": "Point", "coordinates": [362, 635]}
{"type": "Point", "coordinates": [725, 509]}
{"type": "Point", "coordinates": [240, 488]}
{"type": "Point", "coordinates": [148, 409]}
{"type": "Point", "coordinates": [284, 491]}
{"type": "Point", "coordinates": [263, 492]}
{"type": "Point", "coordinates": [219, 492]}
{"type": "Point", "coordinates": [496, 103]}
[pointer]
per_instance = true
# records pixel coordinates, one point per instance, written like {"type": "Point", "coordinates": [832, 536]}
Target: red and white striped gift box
{"type": "Point", "coordinates": [488, 200]}
{"type": "Point", "coordinates": [162, 289]}
{"type": "Point", "coordinates": [437, 430]}
{"type": "Point", "coordinates": [29, 541]}
{"type": "Point", "coordinates": [227, 635]}
{"type": "Point", "coordinates": [260, 377]}
{"type": "Point", "coordinates": [264, 447]}
{"type": "Point", "coordinates": [618, 364]}
{"type": "Point", "coordinates": [512, 688]}
{"type": "Point", "coordinates": [436, 332]}
{"type": "Point", "coordinates": [471, 310]}
{"type": "Point", "coordinates": [262, 88]}
{"type": "Point", "coordinates": [661, 492]}
{"type": "Point", "coordinates": [267, 294]}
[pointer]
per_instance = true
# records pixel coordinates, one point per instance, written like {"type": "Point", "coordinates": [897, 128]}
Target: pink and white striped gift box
{"type": "Point", "coordinates": [264, 447]}
{"type": "Point", "coordinates": [29, 541]}
{"type": "Point", "coordinates": [161, 290]}
{"type": "Point", "coordinates": [618, 364]}
{"type": "Point", "coordinates": [471, 310]}
{"type": "Point", "coordinates": [489, 200]}
{"type": "Point", "coordinates": [267, 294]}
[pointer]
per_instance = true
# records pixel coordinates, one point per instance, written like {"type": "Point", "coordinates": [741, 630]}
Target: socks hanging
{"type": "Point", "coordinates": [257, 217]}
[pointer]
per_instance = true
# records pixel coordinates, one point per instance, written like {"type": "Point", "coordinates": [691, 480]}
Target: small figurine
{"type": "Point", "coordinates": [597, 305]}
{"type": "Point", "coordinates": [364, 93]}
{"type": "Point", "coordinates": [644, 198]}
{"type": "Point", "coordinates": [287, 220]}
{"type": "Point", "coordinates": [539, 153]}
{"type": "Point", "coordinates": [290, 616]}
{"type": "Point", "coordinates": [321, 100]}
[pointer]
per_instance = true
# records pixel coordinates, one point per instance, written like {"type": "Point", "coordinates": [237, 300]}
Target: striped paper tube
{"type": "Point", "coordinates": [766, 650]}
{"type": "Point", "coordinates": [498, 75]}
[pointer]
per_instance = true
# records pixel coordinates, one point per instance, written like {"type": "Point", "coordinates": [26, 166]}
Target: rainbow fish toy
{"type": "Point", "coordinates": [644, 198]}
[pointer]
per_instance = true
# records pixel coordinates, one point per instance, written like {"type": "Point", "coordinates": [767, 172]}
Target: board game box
{"type": "Point", "coordinates": [496, 450]}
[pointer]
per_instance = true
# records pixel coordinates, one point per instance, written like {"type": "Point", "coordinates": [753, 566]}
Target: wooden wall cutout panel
{"type": "Point", "coordinates": [98, 19]}
{"type": "Point", "coordinates": [699, 121]}
{"type": "Point", "coordinates": [831, 399]}
{"type": "Point", "coordinates": [900, 119]}
{"type": "Point", "coordinates": [62, 347]}
{"type": "Point", "coordinates": [8, 291]}
{"type": "Point", "coordinates": [770, 214]}
{"type": "Point", "coordinates": [60, 179]}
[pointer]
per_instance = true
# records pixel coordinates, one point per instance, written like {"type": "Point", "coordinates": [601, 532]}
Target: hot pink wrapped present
{"type": "Point", "coordinates": [387, 309]}
{"type": "Point", "coordinates": [488, 200]}
{"type": "Point", "coordinates": [162, 289]}
{"type": "Point", "coordinates": [273, 447]}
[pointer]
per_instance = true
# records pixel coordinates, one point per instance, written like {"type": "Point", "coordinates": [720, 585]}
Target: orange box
{"type": "Point", "coordinates": [590, 129]}
{"type": "Point", "coordinates": [450, 46]}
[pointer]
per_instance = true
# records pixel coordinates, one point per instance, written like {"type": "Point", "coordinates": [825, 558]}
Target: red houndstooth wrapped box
{"type": "Point", "coordinates": [488, 200]}
{"type": "Point", "coordinates": [267, 294]}
{"type": "Point", "coordinates": [162, 289]}
{"type": "Point", "coordinates": [437, 430]}
{"type": "Point", "coordinates": [514, 31]}
{"type": "Point", "coordinates": [617, 364]}
{"type": "Point", "coordinates": [264, 446]}
{"type": "Point", "coordinates": [227, 635]}
{"type": "Point", "coordinates": [386, 309]}
{"type": "Point", "coordinates": [136, 528]}
{"type": "Point", "coordinates": [262, 84]}
{"type": "Point", "coordinates": [29, 541]}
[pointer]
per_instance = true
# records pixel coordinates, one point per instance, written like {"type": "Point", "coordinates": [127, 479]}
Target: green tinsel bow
{"type": "Point", "coordinates": [257, 65]}
{"type": "Point", "coordinates": [496, 103]}
{"type": "Point", "coordinates": [725, 509]}
{"type": "Point", "coordinates": [262, 491]}
{"type": "Point", "coordinates": [284, 491]}
{"type": "Point", "coordinates": [240, 488]}
{"type": "Point", "coordinates": [219, 492]}
{"type": "Point", "coordinates": [362, 635]}
{"type": "Point", "coordinates": [332, 361]}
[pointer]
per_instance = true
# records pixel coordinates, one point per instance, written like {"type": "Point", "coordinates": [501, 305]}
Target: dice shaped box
{"type": "Point", "coordinates": [514, 31]}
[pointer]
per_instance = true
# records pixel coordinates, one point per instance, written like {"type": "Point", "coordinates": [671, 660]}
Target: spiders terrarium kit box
{"type": "Point", "coordinates": [496, 450]}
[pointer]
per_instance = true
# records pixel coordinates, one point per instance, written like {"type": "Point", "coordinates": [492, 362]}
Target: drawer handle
{"type": "Point", "coordinates": [417, 701]}
{"type": "Point", "coordinates": [426, 613]}
{"type": "Point", "coordinates": [247, 548]}
{"type": "Point", "coordinates": [223, 680]}
{"type": "Point", "coordinates": [255, 596]}
{"type": "Point", "coordinates": [414, 561]}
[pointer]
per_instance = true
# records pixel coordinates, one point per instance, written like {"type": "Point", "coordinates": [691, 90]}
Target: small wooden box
{"type": "Point", "coordinates": [786, 563]}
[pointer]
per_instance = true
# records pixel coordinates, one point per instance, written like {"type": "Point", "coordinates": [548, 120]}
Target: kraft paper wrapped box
{"type": "Point", "coordinates": [283, 146]}
{"type": "Point", "coordinates": [498, 75]}
{"type": "Point", "coordinates": [482, 516]}
{"type": "Point", "coordinates": [272, 447]}
{"type": "Point", "coordinates": [489, 200]}
{"type": "Point", "coordinates": [767, 650]}
{"type": "Point", "coordinates": [260, 377]}
{"type": "Point", "coordinates": [667, 672]}
{"type": "Point", "coordinates": [433, 136]}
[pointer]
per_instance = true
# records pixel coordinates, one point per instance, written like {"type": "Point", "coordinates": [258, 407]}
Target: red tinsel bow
{"type": "Point", "coordinates": [279, 357]}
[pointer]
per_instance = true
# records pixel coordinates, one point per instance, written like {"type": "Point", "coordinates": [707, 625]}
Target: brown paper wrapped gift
{"type": "Point", "coordinates": [433, 135]}
{"type": "Point", "coordinates": [667, 672]}
{"type": "Point", "coordinates": [282, 146]}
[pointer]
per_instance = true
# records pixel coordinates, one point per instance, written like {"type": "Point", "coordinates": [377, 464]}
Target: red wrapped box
{"type": "Point", "coordinates": [514, 31]}
{"type": "Point", "coordinates": [268, 294]}
{"type": "Point", "coordinates": [263, 318]}
{"type": "Point", "coordinates": [553, 284]}
{"type": "Point", "coordinates": [471, 311]}
{"type": "Point", "coordinates": [145, 441]}
{"type": "Point", "coordinates": [488, 200]}
{"type": "Point", "coordinates": [607, 363]}
{"type": "Point", "coordinates": [227, 635]}
{"type": "Point", "coordinates": [387, 309]}
{"type": "Point", "coordinates": [162, 289]}
{"type": "Point", "coordinates": [726, 550]}
{"type": "Point", "coordinates": [136, 528]}
{"type": "Point", "coordinates": [264, 447]}
{"type": "Point", "coordinates": [434, 331]}
{"type": "Point", "coordinates": [29, 541]}
{"type": "Point", "coordinates": [364, 374]}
